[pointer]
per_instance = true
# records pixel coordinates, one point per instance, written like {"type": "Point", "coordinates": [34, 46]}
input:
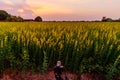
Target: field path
{"type": "Point", "coordinates": [18, 75]}
{"type": "Point", "coordinates": [29, 76]}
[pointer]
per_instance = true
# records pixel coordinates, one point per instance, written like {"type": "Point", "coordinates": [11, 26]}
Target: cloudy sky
{"type": "Point", "coordinates": [63, 9]}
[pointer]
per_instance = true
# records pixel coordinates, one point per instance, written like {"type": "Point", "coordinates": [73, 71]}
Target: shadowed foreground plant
{"type": "Point", "coordinates": [113, 68]}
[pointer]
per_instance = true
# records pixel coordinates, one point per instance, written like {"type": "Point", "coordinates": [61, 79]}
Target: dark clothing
{"type": "Point", "coordinates": [58, 77]}
{"type": "Point", "coordinates": [58, 72]}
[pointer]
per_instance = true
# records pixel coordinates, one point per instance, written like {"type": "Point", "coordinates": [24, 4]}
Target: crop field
{"type": "Point", "coordinates": [81, 46]}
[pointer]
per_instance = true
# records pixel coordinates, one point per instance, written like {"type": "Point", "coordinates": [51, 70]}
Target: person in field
{"type": "Point", "coordinates": [58, 70]}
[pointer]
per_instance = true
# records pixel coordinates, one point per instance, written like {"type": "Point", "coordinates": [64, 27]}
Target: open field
{"type": "Point", "coordinates": [81, 46]}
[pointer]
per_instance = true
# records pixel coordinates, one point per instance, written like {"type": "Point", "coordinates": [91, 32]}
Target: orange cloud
{"type": "Point", "coordinates": [49, 7]}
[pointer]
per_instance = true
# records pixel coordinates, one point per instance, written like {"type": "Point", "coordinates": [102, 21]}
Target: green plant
{"type": "Point", "coordinates": [45, 63]}
{"type": "Point", "coordinates": [113, 68]}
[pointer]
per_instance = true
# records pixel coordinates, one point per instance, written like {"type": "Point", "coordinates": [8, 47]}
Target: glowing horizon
{"type": "Point", "coordinates": [73, 10]}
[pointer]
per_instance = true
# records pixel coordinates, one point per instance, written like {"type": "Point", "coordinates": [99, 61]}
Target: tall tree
{"type": "Point", "coordinates": [3, 15]}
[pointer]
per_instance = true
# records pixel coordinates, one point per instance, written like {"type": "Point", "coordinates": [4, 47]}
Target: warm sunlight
{"type": "Point", "coordinates": [59, 39]}
{"type": "Point", "coordinates": [20, 10]}
{"type": "Point", "coordinates": [50, 9]}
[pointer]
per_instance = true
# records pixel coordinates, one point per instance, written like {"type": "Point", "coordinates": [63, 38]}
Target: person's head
{"type": "Point", "coordinates": [58, 63]}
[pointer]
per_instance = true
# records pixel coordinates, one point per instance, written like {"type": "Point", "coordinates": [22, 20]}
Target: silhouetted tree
{"type": "Point", "coordinates": [11, 18]}
{"type": "Point", "coordinates": [109, 20]}
{"type": "Point", "coordinates": [8, 18]}
{"type": "Point", "coordinates": [20, 19]}
{"type": "Point", "coordinates": [119, 19]}
{"type": "Point", "coordinates": [38, 19]}
{"type": "Point", "coordinates": [3, 15]}
{"type": "Point", "coordinates": [14, 19]}
{"type": "Point", "coordinates": [104, 19]}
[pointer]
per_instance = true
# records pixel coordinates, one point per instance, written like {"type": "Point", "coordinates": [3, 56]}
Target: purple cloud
{"type": "Point", "coordinates": [13, 7]}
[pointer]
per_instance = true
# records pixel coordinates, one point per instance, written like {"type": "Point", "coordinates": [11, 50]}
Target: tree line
{"type": "Point", "coordinates": [105, 19]}
{"type": "Point", "coordinates": [4, 16]}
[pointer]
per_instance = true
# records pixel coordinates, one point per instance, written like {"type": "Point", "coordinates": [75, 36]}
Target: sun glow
{"type": "Point", "coordinates": [20, 10]}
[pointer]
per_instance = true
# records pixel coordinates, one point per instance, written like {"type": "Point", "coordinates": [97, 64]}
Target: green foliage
{"type": "Point", "coordinates": [82, 47]}
{"type": "Point", "coordinates": [2, 55]}
{"type": "Point", "coordinates": [118, 35]}
{"type": "Point", "coordinates": [25, 60]}
{"type": "Point", "coordinates": [113, 68]}
{"type": "Point", "coordinates": [45, 63]}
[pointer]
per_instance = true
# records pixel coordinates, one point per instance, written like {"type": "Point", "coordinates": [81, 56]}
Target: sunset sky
{"type": "Point", "coordinates": [63, 9]}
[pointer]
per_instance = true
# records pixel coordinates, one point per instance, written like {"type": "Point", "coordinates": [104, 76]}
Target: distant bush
{"type": "Point", "coordinates": [14, 19]}
{"type": "Point", "coordinates": [104, 19]}
{"type": "Point", "coordinates": [38, 19]}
